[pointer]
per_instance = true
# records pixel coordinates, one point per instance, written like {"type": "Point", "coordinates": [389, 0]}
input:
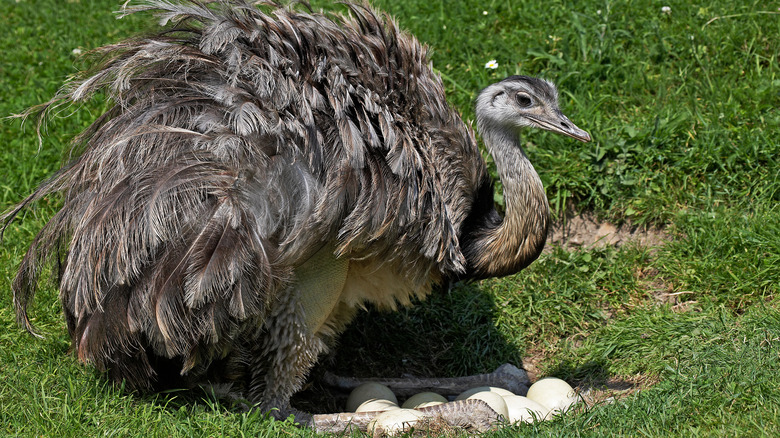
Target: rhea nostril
{"type": "Point", "coordinates": [564, 125]}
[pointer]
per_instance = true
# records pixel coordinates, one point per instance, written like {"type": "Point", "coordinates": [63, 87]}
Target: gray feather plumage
{"type": "Point", "coordinates": [240, 140]}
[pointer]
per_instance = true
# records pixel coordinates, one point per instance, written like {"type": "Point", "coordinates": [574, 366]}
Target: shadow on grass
{"type": "Point", "coordinates": [453, 333]}
{"type": "Point", "coordinates": [594, 382]}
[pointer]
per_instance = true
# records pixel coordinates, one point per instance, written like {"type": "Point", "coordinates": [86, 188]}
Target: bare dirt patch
{"type": "Point", "coordinates": [612, 389]}
{"type": "Point", "coordinates": [663, 292]}
{"type": "Point", "coordinates": [587, 231]}
{"type": "Point", "coordinates": [531, 364]}
{"type": "Point", "coordinates": [595, 388]}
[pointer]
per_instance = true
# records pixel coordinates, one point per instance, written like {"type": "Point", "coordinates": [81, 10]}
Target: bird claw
{"type": "Point", "coordinates": [514, 379]}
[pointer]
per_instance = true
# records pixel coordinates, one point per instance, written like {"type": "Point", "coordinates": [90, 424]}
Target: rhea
{"type": "Point", "coordinates": [262, 174]}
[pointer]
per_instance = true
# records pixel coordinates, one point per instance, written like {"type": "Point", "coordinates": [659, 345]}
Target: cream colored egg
{"type": "Point", "coordinates": [553, 393]}
{"type": "Point", "coordinates": [495, 401]}
{"type": "Point", "coordinates": [369, 391]}
{"type": "Point", "coordinates": [428, 404]}
{"type": "Point", "coordinates": [423, 399]}
{"type": "Point", "coordinates": [469, 392]}
{"type": "Point", "coordinates": [394, 421]}
{"type": "Point", "coordinates": [376, 405]}
{"type": "Point", "coordinates": [524, 409]}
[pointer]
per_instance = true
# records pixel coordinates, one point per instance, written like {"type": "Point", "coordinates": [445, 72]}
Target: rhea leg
{"type": "Point", "coordinates": [288, 352]}
{"type": "Point", "coordinates": [293, 337]}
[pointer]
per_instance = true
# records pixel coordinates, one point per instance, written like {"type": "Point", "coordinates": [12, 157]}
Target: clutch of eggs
{"type": "Point", "coordinates": [546, 397]}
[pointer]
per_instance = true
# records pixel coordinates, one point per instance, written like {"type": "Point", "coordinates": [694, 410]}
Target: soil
{"type": "Point", "coordinates": [586, 231]}
{"type": "Point", "coordinates": [612, 389]}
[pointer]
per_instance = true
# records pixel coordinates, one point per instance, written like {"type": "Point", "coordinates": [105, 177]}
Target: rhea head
{"type": "Point", "coordinates": [523, 101]}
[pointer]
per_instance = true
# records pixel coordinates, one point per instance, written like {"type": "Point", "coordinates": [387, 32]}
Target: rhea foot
{"type": "Point", "coordinates": [506, 376]}
{"type": "Point", "coordinates": [471, 415]}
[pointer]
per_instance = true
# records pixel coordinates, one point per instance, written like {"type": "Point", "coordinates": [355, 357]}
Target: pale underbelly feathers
{"type": "Point", "coordinates": [333, 289]}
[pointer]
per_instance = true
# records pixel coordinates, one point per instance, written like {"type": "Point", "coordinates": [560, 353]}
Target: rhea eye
{"type": "Point", "coordinates": [523, 100]}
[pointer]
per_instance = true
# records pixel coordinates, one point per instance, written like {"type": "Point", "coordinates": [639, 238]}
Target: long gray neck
{"type": "Point", "coordinates": [510, 245]}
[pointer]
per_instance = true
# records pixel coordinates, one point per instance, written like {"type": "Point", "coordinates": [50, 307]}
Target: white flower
{"type": "Point", "coordinates": [76, 52]}
{"type": "Point", "coordinates": [484, 12]}
{"type": "Point", "coordinates": [598, 11]}
{"type": "Point", "coordinates": [492, 64]}
{"type": "Point", "coordinates": [666, 10]}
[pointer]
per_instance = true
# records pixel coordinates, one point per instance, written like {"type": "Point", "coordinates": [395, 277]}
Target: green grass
{"type": "Point", "coordinates": [683, 112]}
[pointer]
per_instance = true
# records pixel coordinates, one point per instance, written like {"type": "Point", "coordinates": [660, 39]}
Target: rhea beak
{"type": "Point", "coordinates": [562, 125]}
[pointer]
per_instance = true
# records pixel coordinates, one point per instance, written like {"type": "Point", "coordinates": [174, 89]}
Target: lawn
{"type": "Point", "coordinates": [683, 336]}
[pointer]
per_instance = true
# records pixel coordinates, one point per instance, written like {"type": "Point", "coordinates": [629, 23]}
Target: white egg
{"type": "Point", "coordinates": [376, 405]}
{"type": "Point", "coordinates": [552, 393]}
{"type": "Point", "coordinates": [495, 401]}
{"type": "Point", "coordinates": [423, 399]}
{"type": "Point", "coordinates": [428, 404]}
{"type": "Point", "coordinates": [394, 421]}
{"type": "Point", "coordinates": [469, 392]}
{"type": "Point", "coordinates": [524, 409]}
{"type": "Point", "coordinates": [369, 391]}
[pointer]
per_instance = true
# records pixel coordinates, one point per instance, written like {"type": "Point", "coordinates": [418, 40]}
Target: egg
{"type": "Point", "coordinates": [376, 405]}
{"type": "Point", "coordinates": [524, 409]}
{"type": "Point", "coordinates": [553, 393]}
{"type": "Point", "coordinates": [394, 421]}
{"type": "Point", "coordinates": [369, 391]}
{"type": "Point", "coordinates": [423, 400]}
{"type": "Point", "coordinates": [469, 392]}
{"type": "Point", "coordinates": [495, 401]}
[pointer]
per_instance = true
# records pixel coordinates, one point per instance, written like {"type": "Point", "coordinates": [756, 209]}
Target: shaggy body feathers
{"type": "Point", "coordinates": [240, 142]}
